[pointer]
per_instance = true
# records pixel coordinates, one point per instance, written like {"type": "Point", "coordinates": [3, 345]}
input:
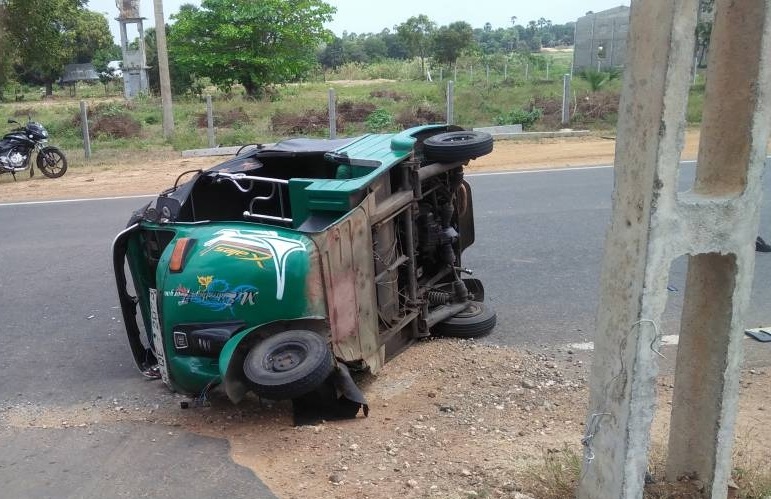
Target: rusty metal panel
{"type": "Point", "coordinates": [347, 266]}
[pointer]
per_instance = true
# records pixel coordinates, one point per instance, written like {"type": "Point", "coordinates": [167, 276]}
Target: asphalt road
{"type": "Point", "coordinates": [538, 250]}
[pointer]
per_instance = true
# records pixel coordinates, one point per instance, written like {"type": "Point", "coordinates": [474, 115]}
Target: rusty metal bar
{"type": "Point", "coordinates": [435, 169]}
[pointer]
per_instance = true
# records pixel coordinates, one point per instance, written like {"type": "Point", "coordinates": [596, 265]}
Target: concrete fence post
{"type": "Point", "coordinates": [652, 224]}
{"type": "Point", "coordinates": [209, 121]}
{"type": "Point", "coordinates": [638, 252]}
{"type": "Point", "coordinates": [726, 198]}
{"type": "Point", "coordinates": [565, 99]}
{"type": "Point", "coordinates": [332, 104]}
{"type": "Point", "coordinates": [450, 102]}
{"type": "Point", "coordinates": [527, 71]}
{"type": "Point", "coordinates": [84, 127]}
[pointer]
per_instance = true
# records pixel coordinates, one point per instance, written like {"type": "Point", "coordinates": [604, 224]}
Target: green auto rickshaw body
{"type": "Point", "coordinates": [217, 264]}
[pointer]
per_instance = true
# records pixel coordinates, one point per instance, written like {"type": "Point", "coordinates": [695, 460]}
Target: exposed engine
{"type": "Point", "coordinates": [437, 234]}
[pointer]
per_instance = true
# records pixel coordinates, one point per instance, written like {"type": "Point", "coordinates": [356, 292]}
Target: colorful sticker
{"type": "Point", "coordinates": [215, 294]}
{"type": "Point", "coordinates": [259, 246]}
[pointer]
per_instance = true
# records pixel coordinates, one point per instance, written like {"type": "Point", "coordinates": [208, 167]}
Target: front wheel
{"type": "Point", "coordinates": [288, 365]}
{"type": "Point", "coordinates": [477, 320]}
{"type": "Point", "coordinates": [51, 161]}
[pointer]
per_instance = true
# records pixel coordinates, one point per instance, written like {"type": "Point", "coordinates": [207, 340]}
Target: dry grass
{"type": "Point", "coordinates": [557, 476]}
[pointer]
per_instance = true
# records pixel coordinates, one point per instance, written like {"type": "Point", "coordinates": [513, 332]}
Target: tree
{"type": "Point", "coordinates": [416, 33]}
{"type": "Point", "coordinates": [52, 33]}
{"type": "Point", "coordinates": [704, 30]}
{"type": "Point", "coordinates": [101, 61]}
{"type": "Point", "coordinates": [253, 43]}
{"type": "Point", "coordinates": [89, 33]}
{"type": "Point", "coordinates": [450, 41]}
{"type": "Point", "coordinates": [181, 79]}
{"type": "Point", "coordinates": [7, 54]}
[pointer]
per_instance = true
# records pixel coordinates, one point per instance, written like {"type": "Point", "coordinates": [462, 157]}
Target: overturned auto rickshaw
{"type": "Point", "coordinates": [284, 268]}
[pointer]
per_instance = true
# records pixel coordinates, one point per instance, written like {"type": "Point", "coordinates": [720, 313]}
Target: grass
{"type": "Point", "coordinates": [557, 476]}
{"type": "Point", "coordinates": [482, 98]}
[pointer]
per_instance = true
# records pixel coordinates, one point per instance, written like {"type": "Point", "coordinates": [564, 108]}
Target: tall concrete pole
{"type": "Point", "coordinates": [163, 70]}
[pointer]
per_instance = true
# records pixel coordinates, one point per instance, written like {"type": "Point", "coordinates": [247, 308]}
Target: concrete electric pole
{"type": "Point", "coordinates": [163, 70]}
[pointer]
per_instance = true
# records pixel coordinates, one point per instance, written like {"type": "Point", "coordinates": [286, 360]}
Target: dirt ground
{"type": "Point", "coordinates": [448, 419]}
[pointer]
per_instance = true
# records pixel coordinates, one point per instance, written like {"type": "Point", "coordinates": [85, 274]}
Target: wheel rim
{"type": "Point", "coordinates": [52, 162]}
{"type": "Point", "coordinates": [458, 138]}
{"type": "Point", "coordinates": [285, 358]}
{"type": "Point", "coordinates": [471, 311]}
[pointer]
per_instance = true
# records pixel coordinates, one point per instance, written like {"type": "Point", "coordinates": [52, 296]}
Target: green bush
{"type": "Point", "coordinates": [519, 117]}
{"type": "Point", "coordinates": [379, 120]}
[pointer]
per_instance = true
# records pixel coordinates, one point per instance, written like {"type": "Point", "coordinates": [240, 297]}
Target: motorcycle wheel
{"type": "Point", "coordinates": [51, 161]}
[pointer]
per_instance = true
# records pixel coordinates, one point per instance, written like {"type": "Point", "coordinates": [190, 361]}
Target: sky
{"type": "Point", "coordinates": [360, 16]}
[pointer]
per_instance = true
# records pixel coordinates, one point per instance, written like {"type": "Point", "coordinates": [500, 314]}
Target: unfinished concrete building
{"type": "Point", "coordinates": [600, 39]}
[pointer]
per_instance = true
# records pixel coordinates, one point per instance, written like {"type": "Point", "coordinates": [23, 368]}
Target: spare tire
{"type": "Point", "coordinates": [457, 146]}
{"type": "Point", "coordinates": [288, 365]}
{"type": "Point", "coordinates": [477, 320]}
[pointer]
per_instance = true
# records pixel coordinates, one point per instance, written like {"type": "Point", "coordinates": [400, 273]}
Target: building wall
{"type": "Point", "coordinates": [600, 39]}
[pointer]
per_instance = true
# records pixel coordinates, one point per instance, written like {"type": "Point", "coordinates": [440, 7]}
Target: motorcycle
{"type": "Point", "coordinates": [17, 146]}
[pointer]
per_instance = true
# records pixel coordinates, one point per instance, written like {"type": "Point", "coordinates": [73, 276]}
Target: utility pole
{"type": "Point", "coordinates": [163, 70]}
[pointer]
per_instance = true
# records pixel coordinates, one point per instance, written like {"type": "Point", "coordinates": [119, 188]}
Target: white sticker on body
{"type": "Point", "coordinates": [155, 324]}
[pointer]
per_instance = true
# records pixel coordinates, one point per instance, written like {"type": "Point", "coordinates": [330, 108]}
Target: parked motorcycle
{"type": "Point", "coordinates": [17, 146]}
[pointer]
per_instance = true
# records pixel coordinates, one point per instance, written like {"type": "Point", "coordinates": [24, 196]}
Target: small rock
{"type": "Point", "coordinates": [472, 493]}
{"type": "Point", "coordinates": [412, 483]}
{"type": "Point", "coordinates": [465, 472]}
{"type": "Point", "coordinates": [353, 447]}
{"type": "Point", "coordinates": [336, 478]}
{"type": "Point", "coordinates": [431, 395]}
{"type": "Point", "coordinates": [526, 383]}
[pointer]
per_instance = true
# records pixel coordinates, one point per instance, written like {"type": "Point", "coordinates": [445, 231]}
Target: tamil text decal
{"type": "Point", "coordinates": [259, 246]}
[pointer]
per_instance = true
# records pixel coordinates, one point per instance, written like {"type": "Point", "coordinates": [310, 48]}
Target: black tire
{"type": "Point", "coordinates": [458, 146]}
{"type": "Point", "coordinates": [288, 365]}
{"type": "Point", "coordinates": [477, 320]}
{"type": "Point", "coordinates": [51, 161]}
{"type": "Point", "coordinates": [762, 246]}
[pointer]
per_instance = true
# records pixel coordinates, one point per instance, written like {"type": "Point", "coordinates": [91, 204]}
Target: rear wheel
{"type": "Point", "coordinates": [51, 161]}
{"type": "Point", "coordinates": [458, 146]}
{"type": "Point", "coordinates": [288, 365]}
{"type": "Point", "coordinates": [477, 320]}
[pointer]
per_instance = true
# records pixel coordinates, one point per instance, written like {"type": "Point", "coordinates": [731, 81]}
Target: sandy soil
{"type": "Point", "coordinates": [448, 419]}
{"type": "Point", "coordinates": [150, 173]}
